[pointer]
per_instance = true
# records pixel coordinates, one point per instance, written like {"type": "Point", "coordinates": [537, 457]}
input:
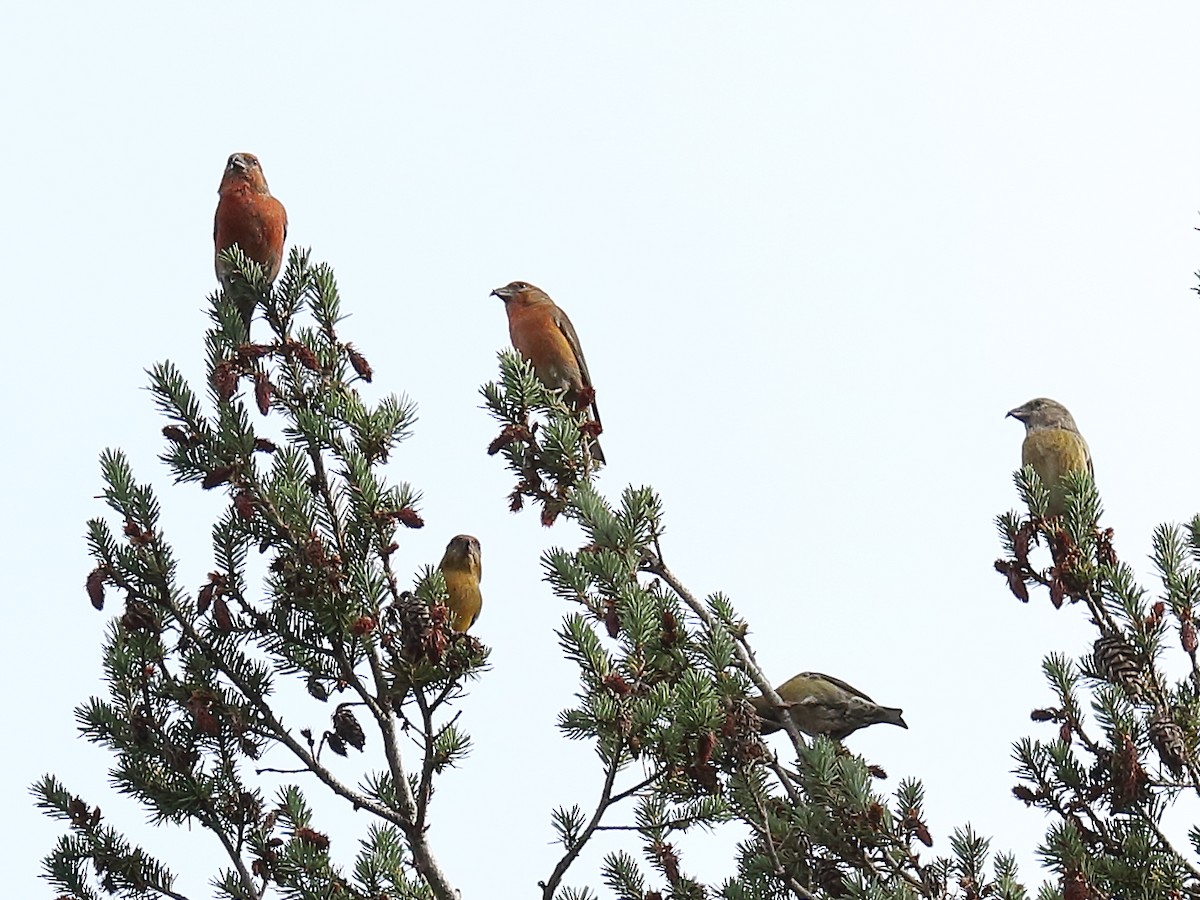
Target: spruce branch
{"type": "Point", "coordinates": [763, 827]}
{"type": "Point", "coordinates": [550, 885]}
{"type": "Point", "coordinates": [184, 716]}
{"type": "Point", "coordinates": [1105, 836]}
{"type": "Point", "coordinates": [657, 566]}
{"type": "Point", "coordinates": [663, 679]}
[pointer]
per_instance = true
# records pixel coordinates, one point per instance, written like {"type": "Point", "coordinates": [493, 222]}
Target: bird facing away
{"type": "Point", "coordinates": [1053, 446]}
{"type": "Point", "coordinates": [820, 704]}
{"type": "Point", "coordinates": [542, 333]}
{"type": "Point", "coordinates": [247, 215]}
{"type": "Point", "coordinates": [462, 567]}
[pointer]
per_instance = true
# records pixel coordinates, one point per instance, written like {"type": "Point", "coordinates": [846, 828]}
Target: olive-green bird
{"type": "Point", "coordinates": [820, 704]}
{"type": "Point", "coordinates": [1053, 446]}
{"type": "Point", "coordinates": [462, 567]}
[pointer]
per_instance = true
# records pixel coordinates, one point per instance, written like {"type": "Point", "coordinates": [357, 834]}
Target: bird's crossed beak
{"type": "Point", "coordinates": [503, 293]}
{"type": "Point", "coordinates": [1020, 413]}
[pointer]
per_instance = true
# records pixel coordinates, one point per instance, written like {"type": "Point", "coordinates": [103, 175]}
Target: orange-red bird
{"type": "Point", "coordinates": [247, 215]}
{"type": "Point", "coordinates": [542, 333]}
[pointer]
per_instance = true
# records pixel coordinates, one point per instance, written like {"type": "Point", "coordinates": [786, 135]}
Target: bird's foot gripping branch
{"type": "Point", "coordinates": [667, 696]}
{"type": "Point", "coordinates": [199, 678]}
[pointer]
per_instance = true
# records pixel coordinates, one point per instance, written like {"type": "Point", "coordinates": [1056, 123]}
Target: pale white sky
{"type": "Point", "coordinates": [813, 251]}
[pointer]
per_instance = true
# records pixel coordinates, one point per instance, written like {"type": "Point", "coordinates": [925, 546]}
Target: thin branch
{"type": "Point", "coordinates": [413, 826]}
{"type": "Point", "coordinates": [641, 785]}
{"type": "Point", "coordinates": [606, 800]}
{"type": "Point", "coordinates": [785, 779]}
{"type": "Point", "coordinates": [895, 868]}
{"type": "Point", "coordinates": [657, 566]}
{"type": "Point", "coordinates": [681, 823]}
{"type": "Point", "coordinates": [277, 730]}
{"type": "Point", "coordinates": [385, 560]}
{"type": "Point", "coordinates": [322, 479]}
{"type": "Point", "coordinates": [382, 710]}
{"type": "Point", "coordinates": [780, 872]}
{"type": "Point", "coordinates": [1166, 842]}
{"type": "Point", "coordinates": [213, 822]}
{"type": "Point", "coordinates": [239, 863]}
{"type": "Point", "coordinates": [167, 892]}
{"type": "Point", "coordinates": [425, 787]}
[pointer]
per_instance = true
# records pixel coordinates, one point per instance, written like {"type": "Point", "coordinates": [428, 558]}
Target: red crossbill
{"type": "Point", "coordinates": [462, 567]}
{"type": "Point", "coordinates": [247, 215]}
{"type": "Point", "coordinates": [542, 333]}
{"type": "Point", "coordinates": [820, 704]}
{"type": "Point", "coordinates": [1053, 446]}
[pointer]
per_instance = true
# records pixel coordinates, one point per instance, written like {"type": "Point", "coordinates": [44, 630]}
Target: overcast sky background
{"type": "Point", "coordinates": [814, 252]}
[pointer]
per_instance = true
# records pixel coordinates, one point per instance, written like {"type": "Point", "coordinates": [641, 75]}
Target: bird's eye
{"type": "Point", "coordinates": [521, 286]}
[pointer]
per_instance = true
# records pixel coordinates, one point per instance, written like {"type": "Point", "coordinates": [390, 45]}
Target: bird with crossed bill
{"type": "Point", "coordinates": [248, 216]}
{"type": "Point", "coordinates": [1053, 446]}
{"type": "Point", "coordinates": [462, 568]}
{"type": "Point", "coordinates": [822, 704]}
{"type": "Point", "coordinates": [542, 334]}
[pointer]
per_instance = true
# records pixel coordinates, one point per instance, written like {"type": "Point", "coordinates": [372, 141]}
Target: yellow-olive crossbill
{"type": "Point", "coordinates": [821, 704]}
{"type": "Point", "coordinates": [462, 567]}
{"type": "Point", "coordinates": [1053, 446]}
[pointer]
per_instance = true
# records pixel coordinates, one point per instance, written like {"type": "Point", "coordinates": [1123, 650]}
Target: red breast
{"type": "Point", "coordinates": [256, 223]}
{"type": "Point", "coordinates": [247, 215]}
{"type": "Point", "coordinates": [537, 337]}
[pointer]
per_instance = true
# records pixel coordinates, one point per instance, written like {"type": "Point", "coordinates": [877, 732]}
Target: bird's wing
{"type": "Point", "coordinates": [849, 689]}
{"type": "Point", "coordinates": [568, 330]}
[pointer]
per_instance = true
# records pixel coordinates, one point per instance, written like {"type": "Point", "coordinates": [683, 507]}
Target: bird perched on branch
{"type": "Point", "coordinates": [820, 704]}
{"type": "Point", "coordinates": [462, 567]}
{"type": "Point", "coordinates": [1053, 446]}
{"type": "Point", "coordinates": [542, 333]}
{"type": "Point", "coordinates": [247, 215]}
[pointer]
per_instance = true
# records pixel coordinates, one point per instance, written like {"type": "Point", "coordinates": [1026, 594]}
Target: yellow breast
{"type": "Point", "coordinates": [1053, 453]}
{"type": "Point", "coordinates": [465, 598]}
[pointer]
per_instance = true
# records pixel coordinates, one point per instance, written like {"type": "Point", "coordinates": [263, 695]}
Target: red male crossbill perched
{"type": "Point", "coordinates": [1053, 446]}
{"type": "Point", "coordinates": [247, 215]}
{"type": "Point", "coordinates": [542, 333]}
{"type": "Point", "coordinates": [822, 704]}
{"type": "Point", "coordinates": [462, 567]}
